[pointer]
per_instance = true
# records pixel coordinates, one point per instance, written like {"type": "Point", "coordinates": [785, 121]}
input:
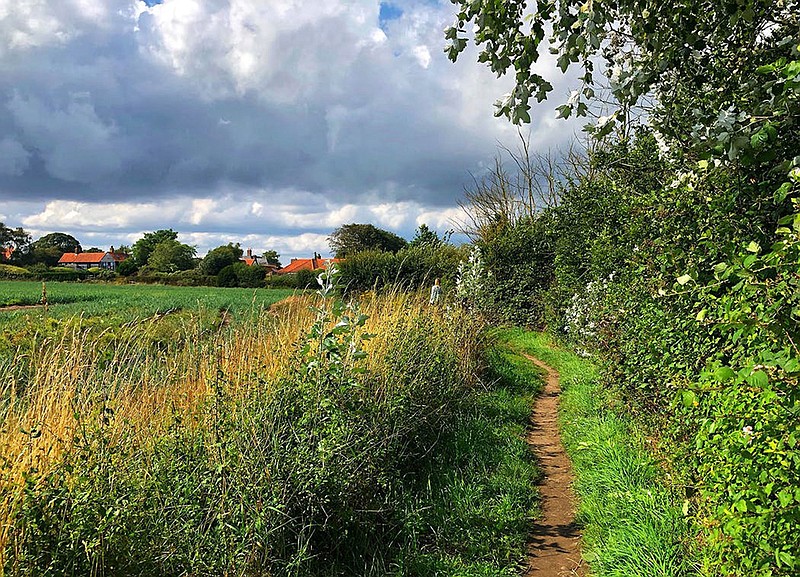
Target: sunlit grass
{"type": "Point", "coordinates": [632, 525]}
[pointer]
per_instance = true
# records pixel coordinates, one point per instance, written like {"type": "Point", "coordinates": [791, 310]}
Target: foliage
{"type": "Point", "coordinates": [242, 450]}
{"type": "Point", "coordinates": [425, 237]}
{"type": "Point", "coordinates": [9, 271]}
{"type": "Point", "coordinates": [241, 275]}
{"type": "Point", "coordinates": [675, 51]}
{"type": "Point", "coordinates": [144, 247]}
{"type": "Point", "coordinates": [171, 256]}
{"type": "Point", "coordinates": [411, 268]}
{"type": "Point", "coordinates": [49, 248]}
{"type": "Point", "coordinates": [220, 257]}
{"type": "Point", "coordinates": [127, 267]}
{"type": "Point", "coordinates": [272, 257]}
{"type": "Point", "coordinates": [15, 239]}
{"type": "Point", "coordinates": [350, 239]}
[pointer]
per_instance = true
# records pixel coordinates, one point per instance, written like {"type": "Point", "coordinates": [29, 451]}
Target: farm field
{"type": "Point", "coordinates": [131, 301]}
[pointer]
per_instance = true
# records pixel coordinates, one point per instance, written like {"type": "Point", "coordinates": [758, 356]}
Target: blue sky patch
{"type": "Point", "coordinates": [152, 3]}
{"type": "Point", "coordinates": [388, 13]}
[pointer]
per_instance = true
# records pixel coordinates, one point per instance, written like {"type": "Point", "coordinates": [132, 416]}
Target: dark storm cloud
{"type": "Point", "coordinates": [289, 116]}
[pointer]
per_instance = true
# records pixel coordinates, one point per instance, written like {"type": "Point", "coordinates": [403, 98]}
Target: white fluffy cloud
{"type": "Point", "coordinates": [275, 118]}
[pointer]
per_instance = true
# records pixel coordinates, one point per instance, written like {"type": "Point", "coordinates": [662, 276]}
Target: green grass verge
{"type": "Point", "coordinates": [470, 512]}
{"type": "Point", "coordinates": [632, 523]}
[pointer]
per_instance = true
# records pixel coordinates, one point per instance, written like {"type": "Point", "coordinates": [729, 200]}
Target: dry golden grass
{"type": "Point", "coordinates": [72, 376]}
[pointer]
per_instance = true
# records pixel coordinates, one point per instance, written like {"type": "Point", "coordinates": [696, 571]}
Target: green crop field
{"type": "Point", "coordinates": [125, 303]}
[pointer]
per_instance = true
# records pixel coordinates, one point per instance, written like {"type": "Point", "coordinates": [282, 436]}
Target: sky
{"type": "Point", "coordinates": [264, 122]}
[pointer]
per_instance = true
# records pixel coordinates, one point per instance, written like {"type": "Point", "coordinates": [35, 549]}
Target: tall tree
{"type": "Point", "coordinates": [143, 248]}
{"type": "Point", "coordinates": [350, 239]}
{"type": "Point", "coordinates": [171, 256]}
{"type": "Point", "coordinates": [425, 237]}
{"type": "Point", "coordinates": [724, 73]}
{"type": "Point", "coordinates": [272, 257]}
{"type": "Point", "coordinates": [220, 257]}
{"type": "Point", "coordinates": [49, 248]}
{"type": "Point", "coordinates": [14, 239]}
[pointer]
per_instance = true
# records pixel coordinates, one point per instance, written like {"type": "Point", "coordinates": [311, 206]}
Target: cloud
{"type": "Point", "coordinates": [267, 117]}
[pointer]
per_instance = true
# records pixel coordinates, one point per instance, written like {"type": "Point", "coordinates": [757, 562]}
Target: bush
{"type": "Point", "coordinates": [410, 268]}
{"type": "Point", "coordinates": [11, 272]}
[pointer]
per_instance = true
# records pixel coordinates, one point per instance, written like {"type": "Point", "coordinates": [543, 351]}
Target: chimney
{"type": "Point", "coordinates": [111, 250]}
{"type": "Point", "coordinates": [249, 253]}
{"type": "Point", "coordinates": [78, 249]}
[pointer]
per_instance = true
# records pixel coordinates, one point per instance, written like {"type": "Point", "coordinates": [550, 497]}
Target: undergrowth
{"type": "Point", "coordinates": [320, 437]}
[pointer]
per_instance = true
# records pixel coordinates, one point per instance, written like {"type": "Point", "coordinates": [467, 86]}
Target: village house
{"type": "Point", "coordinates": [85, 260]}
{"type": "Point", "coordinates": [315, 263]}
{"type": "Point", "coordinates": [251, 259]}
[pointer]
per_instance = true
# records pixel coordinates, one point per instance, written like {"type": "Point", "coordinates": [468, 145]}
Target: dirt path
{"type": "Point", "coordinates": [19, 307]}
{"type": "Point", "coordinates": [554, 547]}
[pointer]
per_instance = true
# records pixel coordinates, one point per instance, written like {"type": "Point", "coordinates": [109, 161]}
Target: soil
{"type": "Point", "coordinates": [19, 307]}
{"type": "Point", "coordinates": [554, 547]}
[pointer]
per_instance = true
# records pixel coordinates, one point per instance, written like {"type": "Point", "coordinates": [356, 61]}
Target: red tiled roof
{"type": "Point", "coordinates": [88, 257]}
{"type": "Point", "coordinates": [81, 257]}
{"type": "Point", "coordinates": [299, 264]}
{"type": "Point", "coordinates": [249, 261]}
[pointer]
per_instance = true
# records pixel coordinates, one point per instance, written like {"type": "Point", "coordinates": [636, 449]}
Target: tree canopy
{"type": "Point", "coordinates": [49, 248]}
{"type": "Point", "coordinates": [353, 238]}
{"type": "Point", "coordinates": [144, 247]}
{"type": "Point", "coordinates": [14, 238]}
{"type": "Point", "coordinates": [723, 73]}
{"type": "Point", "coordinates": [220, 257]}
{"type": "Point", "coordinates": [171, 256]}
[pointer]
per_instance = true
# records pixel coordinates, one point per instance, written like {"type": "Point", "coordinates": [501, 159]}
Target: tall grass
{"type": "Point", "coordinates": [274, 447]}
{"type": "Point", "coordinates": [632, 523]}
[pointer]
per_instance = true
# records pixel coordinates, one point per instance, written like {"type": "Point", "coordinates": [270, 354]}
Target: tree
{"type": "Point", "coordinates": [723, 73]}
{"type": "Point", "coordinates": [220, 257]}
{"type": "Point", "coordinates": [14, 239]}
{"type": "Point", "coordinates": [171, 256]}
{"type": "Point", "coordinates": [48, 249]}
{"type": "Point", "coordinates": [272, 257]}
{"type": "Point", "coordinates": [143, 248]}
{"type": "Point", "coordinates": [425, 237]}
{"type": "Point", "coordinates": [127, 267]}
{"type": "Point", "coordinates": [352, 238]}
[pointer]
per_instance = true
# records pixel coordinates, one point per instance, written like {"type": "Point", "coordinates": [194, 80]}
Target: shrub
{"type": "Point", "coordinates": [12, 272]}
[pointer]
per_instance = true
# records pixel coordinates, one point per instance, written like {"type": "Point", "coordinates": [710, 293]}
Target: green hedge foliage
{"type": "Point", "coordinates": [683, 278]}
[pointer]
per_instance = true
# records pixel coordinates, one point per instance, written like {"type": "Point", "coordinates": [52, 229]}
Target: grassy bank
{"type": "Point", "coordinates": [633, 525]}
{"type": "Point", "coordinates": [470, 514]}
{"type": "Point", "coordinates": [313, 438]}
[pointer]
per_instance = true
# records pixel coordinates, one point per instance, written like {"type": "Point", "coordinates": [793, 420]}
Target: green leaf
{"type": "Point", "coordinates": [723, 374]}
{"type": "Point", "coordinates": [753, 247]}
{"type": "Point", "coordinates": [683, 279]}
{"type": "Point", "coordinates": [758, 379]}
{"type": "Point", "coordinates": [689, 399]}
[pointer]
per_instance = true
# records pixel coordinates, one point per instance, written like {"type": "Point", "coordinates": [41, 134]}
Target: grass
{"type": "Point", "coordinates": [128, 301]}
{"type": "Point", "coordinates": [169, 442]}
{"type": "Point", "coordinates": [632, 523]}
{"type": "Point", "coordinates": [472, 511]}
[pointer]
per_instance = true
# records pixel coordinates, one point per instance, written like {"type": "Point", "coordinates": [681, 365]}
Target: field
{"type": "Point", "coordinates": [131, 301]}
